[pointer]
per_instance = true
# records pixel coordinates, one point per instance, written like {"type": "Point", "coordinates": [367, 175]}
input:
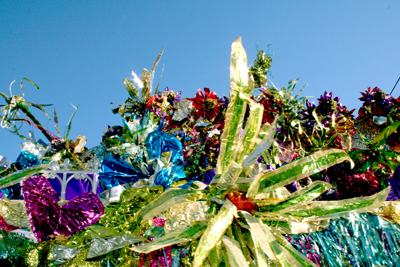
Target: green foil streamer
{"type": "Point", "coordinates": [122, 215]}
{"type": "Point", "coordinates": [259, 244]}
{"type": "Point", "coordinates": [230, 176]}
{"type": "Point", "coordinates": [252, 129]}
{"type": "Point", "coordinates": [214, 232]}
{"type": "Point", "coordinates": [165, 201]}
{"type": "Point", "coordinates": [296, 170]}
{"type": "Point", "coordinates": [185, 215]}
{"type": "Point", "coordinates": [294, 227]}
{"type": "Point", "coordinates": [215, 255]}
{"type": "Point", "coordinates": [330, 209]}
{"type": "Point", "coordinates": [300, 258]}
{"type": "Point", "coordinates": [300, 197]}
{"type": "Point", "coordinates": [98, 246]}
{"type": "Point", "coordinates": [266, 134]}
{"type": "Point", "coordinates": [260, 240]}
{"type": "Point", "coordinates": [268, 242]}
{"type": "Point", "coordinates": [182, 235]}
{"type": "Point", "coordinates": [238, 234]}
{"type": "Point", "coordinates": [236, 108]}
{"type": "Point", "coordinates": [19, 176]}
{"type": "Point", "coordinates": [235, 255]}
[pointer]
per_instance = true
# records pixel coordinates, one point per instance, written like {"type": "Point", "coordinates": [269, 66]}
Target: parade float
{"type": "Point", "coordinates": [260, 178]}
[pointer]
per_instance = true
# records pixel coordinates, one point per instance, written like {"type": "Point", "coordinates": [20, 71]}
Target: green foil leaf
{"type": "Point", "coordinates": [166, 200]}
{"type": "Point", "coordinates": [178, 236]}
{"type": "Point", "coordinates": [235, 255]}
{"type": "Point", "coordinates": [214, 232]}
{"type": "Point", "coordinates": [19, 176]}
{"type": "Point", "coordinates": [296, 170]}
{"type": "Point", "coordinates": [300, 197]}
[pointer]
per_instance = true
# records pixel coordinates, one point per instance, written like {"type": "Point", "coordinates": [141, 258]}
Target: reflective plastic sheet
{"type": "Point", "coordinates": [158, 143]}
{"type": "Point", "coordinates": [115, 171]}
{"type": "Point", "coordinates": [47, 218]}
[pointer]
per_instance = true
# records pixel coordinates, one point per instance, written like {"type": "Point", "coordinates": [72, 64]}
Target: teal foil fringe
{"type": "Point", "coordinates": [357, 240]}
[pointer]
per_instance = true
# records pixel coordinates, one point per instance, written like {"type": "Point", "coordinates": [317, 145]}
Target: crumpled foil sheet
{"type": "Point", "coordinates": [184, 215]}
{"type": "Point", "coordinates": [14, 213]}
{"type": "Point", "coordinates": [99, 246]}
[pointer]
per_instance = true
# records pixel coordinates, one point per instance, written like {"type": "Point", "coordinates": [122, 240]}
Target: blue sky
{"type": "Point", "coordinates": [78, 52]}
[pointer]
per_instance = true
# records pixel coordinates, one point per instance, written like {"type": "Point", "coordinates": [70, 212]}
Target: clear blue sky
{"type": "Point", "coordinates": [80, 51]}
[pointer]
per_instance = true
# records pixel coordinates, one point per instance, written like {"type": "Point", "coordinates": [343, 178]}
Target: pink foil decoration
{"type": "Point", "coordinates": [47, 218]}
{"type": "Point", "coordinates": [158, 222]}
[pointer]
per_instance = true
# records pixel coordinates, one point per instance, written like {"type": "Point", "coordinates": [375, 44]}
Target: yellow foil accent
{"type": "Point", "coordinates": [14, 212]}
{"type": "Point", "coordinates": [184, 215]}
{"type": "Point", "coordinates": [390, 210]}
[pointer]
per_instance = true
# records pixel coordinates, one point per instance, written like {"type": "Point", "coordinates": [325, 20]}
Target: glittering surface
{"type": "Point", "coordinates": [6, 226]}
{"type": "Point", "coordinates": [185, 214]}
{"type": "Point", "coordinates": [47, 218]}
{"type": "Point", "coordinates": [115, 171]}
{"type": "Point", "coordinates": [14, 212]}
{"type": "Point", "coordinates": [359, 240]}
{"type": "Point", "coordinates": [159, 142]}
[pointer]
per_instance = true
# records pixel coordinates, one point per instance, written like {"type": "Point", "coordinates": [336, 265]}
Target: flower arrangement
{"type": "Point", "coordinates": [197, 182]}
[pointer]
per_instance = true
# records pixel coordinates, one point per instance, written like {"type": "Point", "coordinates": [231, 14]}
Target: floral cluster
{"type": "Point", "coordinates": [330, 121]}
{"type": "Point", "coordinates": [377, 103]}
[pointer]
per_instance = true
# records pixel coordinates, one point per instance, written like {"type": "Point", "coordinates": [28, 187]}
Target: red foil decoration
{"type": "Point", "coordinates": [239, 199]}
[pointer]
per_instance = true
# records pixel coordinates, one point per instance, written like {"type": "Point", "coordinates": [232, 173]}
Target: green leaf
{"type": "Point", "coordinates": [19, 176]}
{"type": "Point", "coordinates": [68, 128]}
{"type": "Point", "coordinates": [6, 98]}
{"type": "Point", "coordinates": [158, 84]}
{"type": "Point", "coordinates": [382, 137]}
{"type": "Point", "coordinates": [301, 90]}
{"type": "Point", "coordinates": [22, 85]}
{"type": "Point", "coordinates": [365, 139]}
{"type": "Point", "coordinates": [56, 123]}
{"type": "Point", "coordinates": [39, 106]}
{"type": "Point", "coordinates": [146, 90]}
{"type": "Point", "coordinates": [153, 69]}
{"type": "Point", "coordinates": [132, 90]}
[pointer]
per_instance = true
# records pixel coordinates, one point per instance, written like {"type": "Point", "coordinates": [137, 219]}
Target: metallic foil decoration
{"type": "Point", "coordinates": [185, 215]}
{"type": "Point", "coordinates": [380, 120]}
{"type": "Point", "coordinates": [47, 218]}
{"type": "Point", "coordinates": [14, 213]}
{"type": "Point", "coordinates": [355, 240]}
{"type": "Point", "coordinates": [115, 171]}
{"type": "Point", "coordinates": [390, 210]}
{"type": "Point", "coordinates": [294, 228]}
{"type": "Point", "coordinates": [184, 107]}
{"type": "Point", "coordinates": [158, 143]}
{"type": "Point", "coordinates": [98, 246]}
{"type": "Point", "coordinates": [25, 160]}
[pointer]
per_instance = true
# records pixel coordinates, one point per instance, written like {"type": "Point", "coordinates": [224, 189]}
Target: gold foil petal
{"type": "Point", "coordinates": [14, 212]}
{"type": "Point", "coordinates": [185, 215]}
{"type": "Point", "coordinates": [390, 210]}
